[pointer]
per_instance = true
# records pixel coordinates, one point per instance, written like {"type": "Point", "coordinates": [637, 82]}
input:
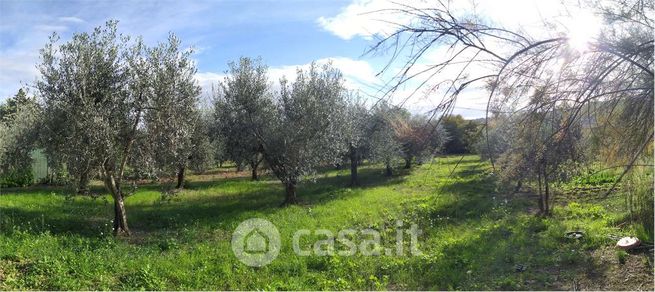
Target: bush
{"type": "Point", "coordinates": [16, 178]}
{"type": "Point", "coordinates": [596, 178]}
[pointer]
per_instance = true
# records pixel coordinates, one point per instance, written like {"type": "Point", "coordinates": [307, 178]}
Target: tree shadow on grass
{"type": "Point", "coordinates": [325, 188]}
{"type": "Point", "coordinates": [220, 203]}
{"type": "Point", "coordinates": [46, 189]}
{"type": "Point", "coordinates": [83, 216]}
{"type": "Point", "coordinates": [489, 244]}
{"type": "Point", "coordinates": [510, 256]}
{"type": "Point", "coordinates": [258, 198]}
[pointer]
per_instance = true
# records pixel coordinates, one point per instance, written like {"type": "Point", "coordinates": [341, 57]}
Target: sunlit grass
{"type": "Point", "coordinates": [473, 237]}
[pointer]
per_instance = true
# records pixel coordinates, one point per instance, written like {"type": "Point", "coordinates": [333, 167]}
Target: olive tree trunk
{"type": "Point", "coordinates": [389, 171]}
{"type": "Point", "coordinates": [408, 162]}
{"type": "Point", "coordinates": [353, 166]}
{"type": "Point", "coordinates": [83, 184]}
{"type": "Point", "coordinates": [180, 177]}
{"type": "Point", "coordinates": [291, 197]}
{"type": "Point", "coordinates": [113, 183]}
{"type": "Point", "coordinates": [120, 215]}
{"type": "Point", "coordinates": [254, 166]}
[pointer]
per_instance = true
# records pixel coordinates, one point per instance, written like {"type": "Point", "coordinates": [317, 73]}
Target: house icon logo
{"type": "Point", "coordinates": [256, 242]}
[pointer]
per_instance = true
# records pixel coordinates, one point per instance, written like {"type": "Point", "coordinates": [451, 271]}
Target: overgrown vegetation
{"type": "Point", "coordinates": [473, 237]}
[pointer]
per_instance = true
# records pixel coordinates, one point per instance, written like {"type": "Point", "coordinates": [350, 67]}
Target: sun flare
{"type": "Point", "coordinates": [583, 28]}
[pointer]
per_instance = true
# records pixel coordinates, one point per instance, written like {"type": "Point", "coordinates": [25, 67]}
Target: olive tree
{"type": "Point", "coordinates": [20, 117]}
{"type": "Point", "coordinates": [172, 115]}
{"type": "Point", "coordinates": [91, 108]}
{"type": "Point", "coordinates": [97, 90]}
{"type": "Point", "coordinates": [385, 147]}
{"type": "Point", "coordinates": [355, 133]}
{"type": "Point", "coordinates": [4, 137]}
{"type": "Point", "coordinates": [239, 108]}
{"type": "Point", "coordinates": [203, 152]}
{"type": "Point", "coordinates": [12, 105]}
{"type": "Point", "coordinates": [304, 127]}
{"type": "Point", "coordinates": [499, 136]}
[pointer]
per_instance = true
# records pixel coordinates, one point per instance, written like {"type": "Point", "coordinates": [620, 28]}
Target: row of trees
{"type": "Point", "coordinates": [310, 122]}
{"type": "Point", "coordinates": [111, 107]}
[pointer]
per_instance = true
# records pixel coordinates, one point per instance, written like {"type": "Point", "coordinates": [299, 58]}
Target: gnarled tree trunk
{"type": "Point", "coordinates": [389, 171]}
{"type": "Point", "coordinates": [519, 184]}
{"type": "Point", "coordinates": [113, 182]}
{"type": "Point", "coordinates": [120, 215]}
{"type": "Point", "coordinates": [255, 162]}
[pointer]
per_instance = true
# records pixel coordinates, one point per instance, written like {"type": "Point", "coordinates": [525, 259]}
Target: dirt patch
{"type": "Point", "coordinates": [221, 174]}
{"type": "Point", "coordinates": [137, 237]}
{"type": "Point", "coordinates": [606, 272]}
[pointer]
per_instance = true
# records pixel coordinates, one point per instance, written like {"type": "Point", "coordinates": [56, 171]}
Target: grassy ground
{"type": "Point", "coordinates": [473, 236]}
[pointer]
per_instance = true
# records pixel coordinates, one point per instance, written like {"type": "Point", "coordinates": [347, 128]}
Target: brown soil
{"type": "Point", "coordinates": [605, 272]}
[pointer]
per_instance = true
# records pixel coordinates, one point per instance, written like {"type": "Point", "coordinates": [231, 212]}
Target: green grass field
{"type": "Point", "coordinates": [474, 237]}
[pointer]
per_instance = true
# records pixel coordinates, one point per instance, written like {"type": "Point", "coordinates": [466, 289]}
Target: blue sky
{"type": "Point", "coordinates": [283, 33]}
{"type": "Point", "coordinates": [286, 34]}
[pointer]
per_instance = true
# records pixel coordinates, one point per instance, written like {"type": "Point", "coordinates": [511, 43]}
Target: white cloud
{"type": "Point", "coordinates": [207, 80]}
{"type": "Point", "coordinates": [71, 19]}
{"type": "Point", "coordinates": [354, 70]}
{"type": "Point", "coordinates": [367, 18]}
{"type": "Point", "coordinates": [358, 74]}
{"type": "Point", "coordinates": [364, 18]}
